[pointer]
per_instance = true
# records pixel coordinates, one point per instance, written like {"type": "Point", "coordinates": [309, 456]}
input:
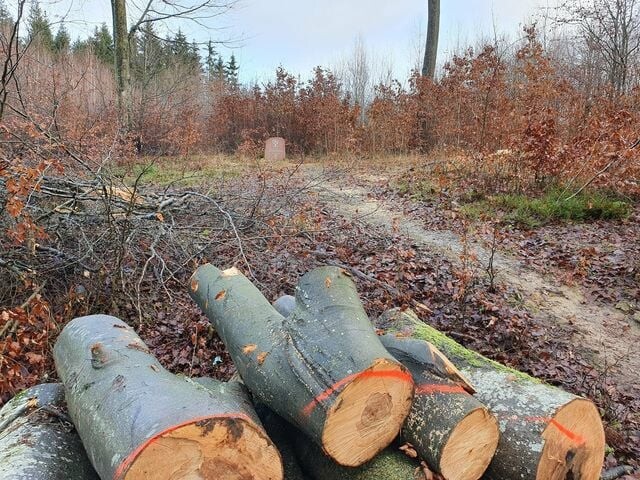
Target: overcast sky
{"type": "Point", "coordinates": [300, 34]}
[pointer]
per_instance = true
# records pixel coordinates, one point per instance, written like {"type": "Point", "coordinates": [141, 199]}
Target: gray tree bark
{"type": "Point", "coordinates": [322, 369]}
{"type": "Point", "coordinates": [433, 33]}
{"type": "Point", "coordinates": [129, 411]}
{"type": "Point", "coordinates": [546, 433]}
{"type": "Point", "coordinates": [442, 404]}
{"type": "Point", "coordinates": [122, 54]}
{"type": "Point", "coordinates": [36, 441]}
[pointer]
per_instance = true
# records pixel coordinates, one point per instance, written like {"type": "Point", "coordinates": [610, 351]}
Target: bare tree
{"type": "Point", "coordinates": [611, 30]}
{"type": "Point", "coordinates": [153, 11]}
{"type": "Point", "coordinates": [12, 51]}
{"type": "Point", "coordinates": [357, 76]}
{"type": "Point", "coordinates": [431, 47]}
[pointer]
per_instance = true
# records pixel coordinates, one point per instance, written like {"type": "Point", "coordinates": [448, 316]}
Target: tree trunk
{"type": "Point", "coordinates": [431, 47]}
{"type": "Point", "coordinates": [122, 54]}
{"type": "Point", "coordinates": [323, 368]}
{"type": "Point", "coordinates": [36, 442]}
{"type": "Point", "coordinates": [129, 412]}
{"type": "Point", "coordinates": [546, 433]}
{"type": "Point", "coordinates": [446, 423]}
{"type": "Point", "coordinates": [390, 464]}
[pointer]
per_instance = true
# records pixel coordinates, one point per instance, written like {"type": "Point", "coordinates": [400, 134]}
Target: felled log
{"type": "Point", "coordinates": [322, 369]}
{"type": "Point", "coordinates": [546, 433]}
{"type": "Point", "coordinates": [390, 464]}
{"type": "Point", "coordinates": [130, 412]}
{"type": "Point", "coordinates": [450, 429]}
{"type": "Point", "coordinates": [36, 440]}
{"type": "Point", "coordinates": [292, 470]}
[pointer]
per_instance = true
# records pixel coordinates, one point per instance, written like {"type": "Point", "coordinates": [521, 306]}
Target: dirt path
{"type": "Point", "coordinates": [599, 330]}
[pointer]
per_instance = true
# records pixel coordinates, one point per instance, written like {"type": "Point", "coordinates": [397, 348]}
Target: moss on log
{"type": "Point", "coordinates": [546, 433]}
{"type": "Point", "coordinates": [322, 368]}
{"type": "Point", "coordinates": [129, 412]}
{"type": "Point", "coordinates": [36, 441]}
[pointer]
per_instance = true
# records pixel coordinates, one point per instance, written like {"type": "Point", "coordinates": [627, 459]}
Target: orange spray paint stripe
{"type": "Point", "coordinates": [127, 462]}
{"type": "Point", "coordinates": [308, 409]}
{"type": "Point", "coordinates": [435, 388]}
{"type": "Point", "coordinates": [574, 437]}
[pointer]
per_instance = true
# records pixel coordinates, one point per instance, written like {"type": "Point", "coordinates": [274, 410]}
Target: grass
{"type": "Point", "coordinates": [185, 172]}
{"type": "Point", "coordinates": [552, 206]}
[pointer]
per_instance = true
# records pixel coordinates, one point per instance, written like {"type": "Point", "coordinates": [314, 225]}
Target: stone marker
{"type": "Point", "coordinates": [275, 149]}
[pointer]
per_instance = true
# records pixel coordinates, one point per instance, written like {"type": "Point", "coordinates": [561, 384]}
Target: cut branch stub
{"type": "Point", "coordinates": [546, 433]}
{"type": "Point", "coordinates": [322, 369]}
{"type": "Point", "coordinates": [129, 412]}
{"type": "Point", "coordinates": [36, 441]}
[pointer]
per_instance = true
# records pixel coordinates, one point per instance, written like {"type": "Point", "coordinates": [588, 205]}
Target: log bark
{"type": "Point", "coordinates": [546, 433]}
{"type": "Point", "coordinates": [451, 430]}
{"type": "Point", "coordinates": [129, 412]}
{"type": "Point", "coordinates": [390, 464]}
{"type": "Point", "coordinates": [322, 368]}
{"type": "Point", "coordinates": [36, 441]}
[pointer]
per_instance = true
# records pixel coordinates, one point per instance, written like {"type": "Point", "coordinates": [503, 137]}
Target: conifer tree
{"type": "Point", "coordinates": [38, 26]}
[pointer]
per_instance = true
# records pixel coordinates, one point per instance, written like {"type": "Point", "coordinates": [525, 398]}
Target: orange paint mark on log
{"type": "Point", "coordinates": [194, 285]}
{"type": "Point", "coordinates": [435, 388]}
{"type": "Point", "coordinates": [249, 348]}
{"type": "Point", "coordinates": [221, 294]}
{"type": "Point", "coordinates": [310, 407]}
{"type": "Point", "coordinates": [262, 357]}
{"type": "Point", "coordinates": [128, 461]}
{"type": "Point", "coordinates": [327, 282]}
{"type": "Point", "coordinates": [574, 437]}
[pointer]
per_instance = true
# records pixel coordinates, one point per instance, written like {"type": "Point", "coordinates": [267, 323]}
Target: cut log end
{"type": "Point", "coordinates": [368, 413]}
{"type": "Point", "coordinates": [221, 448]}
{"type": "Point", "coordinates": [574, 443]}
{"type": "Point", "coordinates": [470, 447]}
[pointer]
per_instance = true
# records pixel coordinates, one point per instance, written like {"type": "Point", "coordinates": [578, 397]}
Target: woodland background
{"type": "Point", "coordinates": [99, 216]}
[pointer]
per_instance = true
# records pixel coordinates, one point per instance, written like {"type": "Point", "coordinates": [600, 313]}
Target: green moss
{"type": "Point", "coordinates": [552, 206]}
{"type": "Point", "coordinates": [459, 355]}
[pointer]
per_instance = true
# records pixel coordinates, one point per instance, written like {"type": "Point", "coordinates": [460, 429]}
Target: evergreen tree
{"type": "Point", "coordinates": [101, 43]}
{"type": "Point", "coordinates": [62, 41]}
{"type": "Point", "coordinates": [38, 26]}
{"type": "Point", "coordinates": [150, 53]}
{"type": "Point", "coordinates": [219, 72]}
{"type": "Point", "coordinates": [5, 16]}
{"type": "Point", "coordinates": [210, 63]}
{"type": "Point", "coordinates": [231, 71]}
{"type": "Point", "coordinates": [184, 53]}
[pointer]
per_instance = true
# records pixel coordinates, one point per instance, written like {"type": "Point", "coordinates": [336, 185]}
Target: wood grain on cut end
{"type": "Point", "coordinates": [368, 413]}
{"type": "Point", "coordinates": [574, 443]}
{"type": "Point", "coordinates": [221, 448]}
{"type": "Point", "coordinates": [470, 447]}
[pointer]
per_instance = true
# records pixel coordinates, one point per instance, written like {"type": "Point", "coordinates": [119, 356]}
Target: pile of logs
{"type": "Point", "coordinates": [320, 394]}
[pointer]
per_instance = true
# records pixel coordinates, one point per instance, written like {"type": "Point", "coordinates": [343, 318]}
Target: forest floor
{"type": "Point", "coordinates": [563, 306]}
